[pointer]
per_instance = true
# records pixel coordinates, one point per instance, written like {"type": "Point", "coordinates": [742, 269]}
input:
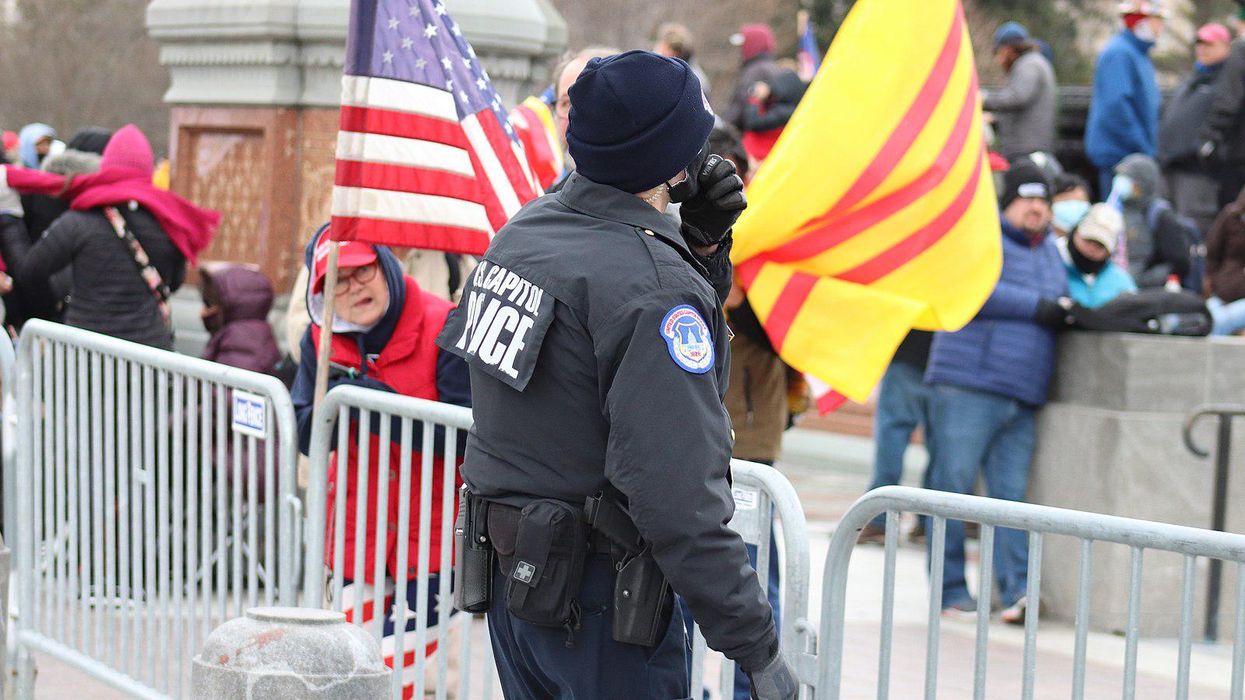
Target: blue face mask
{"type": "Point", "coordinates": [1069, 212]}
{"type": "Point", "coordinates": [1122, 188]}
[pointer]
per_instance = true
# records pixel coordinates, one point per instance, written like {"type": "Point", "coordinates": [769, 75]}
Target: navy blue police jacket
{"type": "Point", "coordinates": [599, 353]}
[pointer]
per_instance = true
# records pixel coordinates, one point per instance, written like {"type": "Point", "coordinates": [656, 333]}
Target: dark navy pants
{"type": "Point", "coordinates": [534, 662]}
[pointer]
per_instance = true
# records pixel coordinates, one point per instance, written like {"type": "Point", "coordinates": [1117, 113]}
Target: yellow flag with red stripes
{"type": "Point", "coordinates": [875, 213]}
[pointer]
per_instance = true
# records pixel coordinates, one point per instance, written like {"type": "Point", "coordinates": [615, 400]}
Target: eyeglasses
{"type": "Point", "coordinates": [362, 275]}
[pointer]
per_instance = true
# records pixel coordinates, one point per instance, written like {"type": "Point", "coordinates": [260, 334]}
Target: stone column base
{"type": "Point", "coordinates": [268, 170]}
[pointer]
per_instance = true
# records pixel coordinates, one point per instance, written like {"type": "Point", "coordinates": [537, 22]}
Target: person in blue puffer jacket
{"type": "Point", "coordinates": [1124, 110]}
{"type": "Point", "coordinates": [988, 380]}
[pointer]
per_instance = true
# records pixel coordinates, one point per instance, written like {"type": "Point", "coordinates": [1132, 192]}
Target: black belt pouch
{"type": "Point", "coordinates": [643, 601]}
{"type": "Point", "coordinates": [473, 555]}
{"type": "Point", "coordinates": [551, 546]}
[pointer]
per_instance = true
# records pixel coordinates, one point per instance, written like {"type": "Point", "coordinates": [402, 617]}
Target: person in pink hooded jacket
{"type": "Point", "coordinates": [126, 241]}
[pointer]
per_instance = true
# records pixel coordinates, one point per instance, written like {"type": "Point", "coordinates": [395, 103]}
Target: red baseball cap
{"type": "Point", "coordinates": [1214, 33]}
{"type": "Point", "coordinates": [349, 254]}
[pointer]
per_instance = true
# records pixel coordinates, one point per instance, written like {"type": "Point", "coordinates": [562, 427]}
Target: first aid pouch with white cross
{"type": "Point", "coordinates": [551, 548]}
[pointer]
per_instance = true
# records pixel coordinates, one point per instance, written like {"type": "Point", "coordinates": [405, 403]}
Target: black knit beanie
{"type": "Point", "coordinates": [1024, 180]}
{"type": "Point", "coordinates": [636, 120]}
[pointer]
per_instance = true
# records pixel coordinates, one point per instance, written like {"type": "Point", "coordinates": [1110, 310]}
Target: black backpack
{"type": "Point", "coordinates": [1154, 311]}
{"type": "Point", "coordinates": [1193, 238]}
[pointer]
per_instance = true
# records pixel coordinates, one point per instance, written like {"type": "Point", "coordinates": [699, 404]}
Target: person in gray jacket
{"type": "Point", "coordinates": [1024, 108]}
{"type": "Point", "coordinates": [1193, 190]}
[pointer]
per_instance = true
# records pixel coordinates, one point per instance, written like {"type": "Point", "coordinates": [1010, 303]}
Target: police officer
{"type": "Point", "coordinates": [598, 355]}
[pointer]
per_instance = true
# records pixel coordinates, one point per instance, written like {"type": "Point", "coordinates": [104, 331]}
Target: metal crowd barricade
{"type": "Point", "coordinates": [8, 434]}
{"type": "Point", "coordinates": [8, 462]}
{"type": "Point", "coordinates": [392, 418]}
{"type": "Point", "coordinates": [1040, 522]}
{"type": "Point", "coordinates": [467, 670]}
{"type": "Point", "coordinates": [155, 500]}
{"type": "Point", "coordinates": [761, 495]}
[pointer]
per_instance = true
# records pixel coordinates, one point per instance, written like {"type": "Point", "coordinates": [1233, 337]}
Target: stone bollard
{"type": "Point", "coordinates": [292, 654]}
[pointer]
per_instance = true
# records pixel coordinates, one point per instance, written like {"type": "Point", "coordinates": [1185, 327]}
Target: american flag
{"type": "Point", "coordinates": [426, 157]}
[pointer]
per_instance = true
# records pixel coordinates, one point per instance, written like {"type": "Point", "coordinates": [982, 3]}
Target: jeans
{"type": "Point", "coordinates": [1229, 318]}
{"type": "Point", "coordinates": [977, 431]}
{"type": "Point", "coordinates": [903, 404]}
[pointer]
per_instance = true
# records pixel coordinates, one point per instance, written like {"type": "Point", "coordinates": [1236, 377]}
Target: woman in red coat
{"type": "Point", "coordinates": [383, 332]}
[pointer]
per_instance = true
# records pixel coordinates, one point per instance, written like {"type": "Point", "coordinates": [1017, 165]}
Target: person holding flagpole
{"type": "Point", "coordinates": [597, 472]}
{"type": "Point", "coordinates": [382, 329]}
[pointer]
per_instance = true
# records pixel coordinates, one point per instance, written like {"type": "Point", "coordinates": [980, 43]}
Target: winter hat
{"type": "Point", "coordinates": [92, 139]}
{"type": "Point", "coordinates": [1010, 33]}
{"type": "Point", "coordinates": [636, 120]}
{"type": "Point", "coordinates": [129, 150]}
{"type": "Point", "coordinates": [754, 40]}
{"type": "Point", "coordinates": [1144, 8]}
{"type": "Point", "coordinates": [29, 139]}
{"type": "Point", "coordinates": [1214, 33]}
{"type": "Point", "coordinates": [1103, 224]}
{"type": "Point", "coordinates": [1025, 180]}
{"type": "Point", "coordinates": [1145, 173]}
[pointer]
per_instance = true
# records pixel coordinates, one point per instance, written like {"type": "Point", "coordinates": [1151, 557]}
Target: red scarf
{"type": "Point", "coordinates": [124, 176]}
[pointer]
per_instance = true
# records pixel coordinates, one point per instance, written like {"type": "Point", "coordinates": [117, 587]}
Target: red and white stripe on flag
{"type": "Point", "coordinates": [827, 399]}
{"type": "Point", "coordinates": [409, 173]}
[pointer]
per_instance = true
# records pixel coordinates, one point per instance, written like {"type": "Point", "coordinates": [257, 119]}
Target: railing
{"type": "Point", "coordinates": [152, 490]}
{"type": "Point", "coordinates": [352, 417]}
{"type": "Point", "coordinates": [1219, 508]}
{"type": "Point", "coordinates": [1040, 522]}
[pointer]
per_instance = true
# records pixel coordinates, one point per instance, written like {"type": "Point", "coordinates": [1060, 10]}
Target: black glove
{"type": "Point", "coordinates": [718, 268]}
{"type": "Point", "coordinates": [365, 382]}
{"type": "Point", "coordinates": [1053, 312]}
{"type": "Point", "coordinates": [774, 681]}
{"type": "Point", "coordinates": [719, 200]}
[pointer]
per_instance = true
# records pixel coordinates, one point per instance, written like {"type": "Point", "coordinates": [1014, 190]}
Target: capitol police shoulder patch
{"type": "Point", "coordinates": [687, 337]}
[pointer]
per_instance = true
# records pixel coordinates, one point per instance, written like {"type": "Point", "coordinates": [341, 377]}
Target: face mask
{"type": "Point", "coordinates": [1069, 212]}
{"type": "Point", "coordinates": [1082, 263]}
{"type": "Point", "coordinates": [1145, 31]}
{"type": "Point", "coordinates": [688, 187]}
{"type": "Point", "coordinates": [1122, 187]}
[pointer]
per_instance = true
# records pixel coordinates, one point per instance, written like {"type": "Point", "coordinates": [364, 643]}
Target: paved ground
{"type": "Point", "coordinates": [829, 472]}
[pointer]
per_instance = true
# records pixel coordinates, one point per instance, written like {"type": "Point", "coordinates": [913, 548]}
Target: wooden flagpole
{"type": "Point", "coordinates": [326, 330]}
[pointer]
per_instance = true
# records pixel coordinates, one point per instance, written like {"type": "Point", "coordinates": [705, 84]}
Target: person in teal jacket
{"type": "Point", "coordinates": [1124, 111]}
{"type": "Point", "coordinates": [1093, 280]}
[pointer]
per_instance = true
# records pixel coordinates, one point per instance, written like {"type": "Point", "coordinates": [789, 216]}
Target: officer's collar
{"type": "Point", "coordinates": [612, 204]}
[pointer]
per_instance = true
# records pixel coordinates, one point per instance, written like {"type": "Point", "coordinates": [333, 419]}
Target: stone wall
{"type": "Point", "coordinates": [1110, 441]}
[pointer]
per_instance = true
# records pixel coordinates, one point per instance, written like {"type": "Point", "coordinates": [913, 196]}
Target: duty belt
{"type": "Point", "coordinates": [507, 517]}
{"type": "Point", "coordinates": [610, 528]}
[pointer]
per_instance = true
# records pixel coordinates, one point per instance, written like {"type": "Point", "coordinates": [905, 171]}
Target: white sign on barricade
{"type": "Point", "coordinates": [250, 414]}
